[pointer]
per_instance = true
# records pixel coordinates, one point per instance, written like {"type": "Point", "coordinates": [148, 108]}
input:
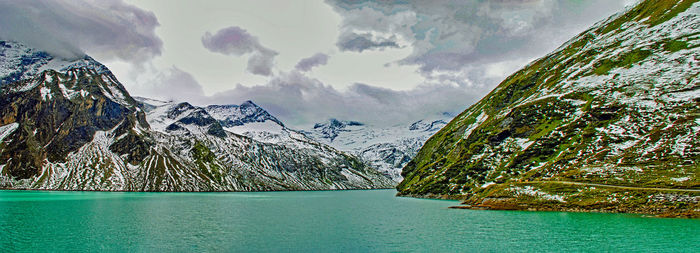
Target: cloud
{"type": "Point", "coordinates": [168, 84]}
{"type": "Point", "coordinates": [457, 37]}
{"type": "Point", "coordinates": [231, 41]}
{"type": "Point", "coordinates": [300, 100]}
{"type": "Point", "coordinates": [261, 62]}
{"type": "Point", "coordinates": [237, 41]}
{"type": "Point", "coordinates": [361, 42]}
{"type": "Point", "coordinates": [365, 28]}
{"type": "Point", "coordinates": [107, 30]}
{"type": "Point", "coordinates": [307, 64]}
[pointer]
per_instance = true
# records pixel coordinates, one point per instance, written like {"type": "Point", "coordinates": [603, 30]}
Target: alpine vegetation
{"type": "Point", "coordinates": [607, 122]}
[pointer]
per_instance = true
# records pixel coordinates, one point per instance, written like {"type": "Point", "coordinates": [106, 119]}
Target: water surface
{"type": "Point", "coordinates": [313, 221]}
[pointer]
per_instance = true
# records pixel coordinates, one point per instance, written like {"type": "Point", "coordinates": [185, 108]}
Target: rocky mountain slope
{"type": "Point", "coordinates": [607, 122]}
{"type": "Point", "coordinates": [386, 148]}
{"type": "Point", "coordinates": [70, 125]}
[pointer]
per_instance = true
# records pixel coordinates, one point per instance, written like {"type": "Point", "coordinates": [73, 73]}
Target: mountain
{"type": "Point", "coordinates": [386, 148]}
{"type": "Point", "coordinates": [608, 122]}
{"type": "Point", "coordinates": [238, 115]}
{"type": "Point", "coordinates": [70, 125]}
{"type": "Point", "coordinates": [249, 119]}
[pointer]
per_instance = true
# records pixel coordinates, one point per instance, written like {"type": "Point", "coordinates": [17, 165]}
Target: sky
{"type": "Point", "coordinates": [380, 62]}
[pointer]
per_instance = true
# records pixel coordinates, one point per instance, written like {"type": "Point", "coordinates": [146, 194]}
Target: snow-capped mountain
{"type": "Point", "coordinates": [251, 120]}
{"type": "Point", "coordinates": [386, 148]}
{"type": "Point", "coordinates": [238, 115]}
{"type": "Point", "coordinates": [70, 125]}
{"type": "Point", "coordinates": [18, 62]}
{"type": "Point", "coordinates": [609, 121]}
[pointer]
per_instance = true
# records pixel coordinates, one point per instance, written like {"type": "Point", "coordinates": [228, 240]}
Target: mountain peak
{"type": "Point", "coordinates": [238, 115]}
{"type": "Point", "coordinates": [338, 124]}
{"type": "Point", "coordinates": [427, 126]}
{"type": "Point", "coordinates": [330, 129]}
{"type": "Point", "coordinates": [20, 62]}
{"type": "Point", "coordinates": [249, 103]}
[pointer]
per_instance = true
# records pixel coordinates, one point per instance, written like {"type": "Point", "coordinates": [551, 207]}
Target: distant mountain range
{"type": "Point", "coordinates": [70, 125]}
{"type": "Point", "coordinates": [386, 148]}
{"type": "Point", "coordinates": [608, 122]}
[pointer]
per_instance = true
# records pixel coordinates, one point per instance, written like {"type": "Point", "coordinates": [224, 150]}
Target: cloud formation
{"type": "Point", "coordinates": [105, 29]}
{"type": "Point", "coordinates": [361, 42]}
{"type": "Point", "coordinates": [170, 84]}
{"type": "Point", "coordinates": [365, 28]}
{"type": "Point", "coordinates": [307, 64]}
{"type": "Point", "coordinates": [463, 49]}
{"type": "Point", "coordinates": [460, 36]}
{"type": "Point", "coordinates": [300, 100]}
{"type": "Point", "coordinates": [237, 41]}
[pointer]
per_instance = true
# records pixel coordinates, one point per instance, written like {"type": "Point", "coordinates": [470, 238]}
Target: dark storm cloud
{"type": "Point", "coordinates": [108, 29]}
{"type": "Point", "coordinates": [237, 41]}
{"type": "Point", "coordinates": [307, 64]}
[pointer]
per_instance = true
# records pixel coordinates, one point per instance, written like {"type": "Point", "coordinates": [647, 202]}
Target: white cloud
{"type": "Point", "coordinates": [300, 100]}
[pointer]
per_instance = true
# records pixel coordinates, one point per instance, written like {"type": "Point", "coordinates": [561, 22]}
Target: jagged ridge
{"type": "Point", "coordinates": [70, 125]}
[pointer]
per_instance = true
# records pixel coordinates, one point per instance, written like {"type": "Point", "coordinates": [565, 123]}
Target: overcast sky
{"type": "Point", "coordinates": [381, 62]}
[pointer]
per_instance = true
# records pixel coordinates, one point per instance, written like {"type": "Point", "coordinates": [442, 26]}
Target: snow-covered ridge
{"type": "Point", "coordinates": [90, 134]}
{"type": "Point", "coordinates": [19, 62]}
{"type": "Point", "coordinates": [238, 115]}
{"type": "Point", "coordinates": [387, 148]}
{"type": "Point", "coordinates": [333, 127]}
{"type": "Point", "coordinates": [7, 130]}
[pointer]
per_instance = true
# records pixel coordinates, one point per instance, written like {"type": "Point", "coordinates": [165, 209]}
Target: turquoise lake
{"type": "Point", "coordinates": [325, 221]}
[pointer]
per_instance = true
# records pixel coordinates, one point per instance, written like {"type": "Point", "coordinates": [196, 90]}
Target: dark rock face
{"type": "Point", "coordinates": [331, 129]}
{"type": "Point", "coordinates": [53, 125]}
{"type": "Point", "coordinates": [187, 114]}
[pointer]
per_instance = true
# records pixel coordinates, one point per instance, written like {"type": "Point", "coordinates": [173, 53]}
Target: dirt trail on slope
{"type": "Point", "coordinates": [617, 186]}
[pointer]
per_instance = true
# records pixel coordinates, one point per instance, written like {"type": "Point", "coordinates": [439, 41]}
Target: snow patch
{"type": "Point", "coordinates": [7, 130]}
{"type": "Point", "coordinates": [46, 93]}
{"type": "Point", "coordinates": [487, 184]}
{"type": "Point", "coordinates": [523, 143]}
{"type": "Point", "coordinates": [531, 191]}
{"type": "Point", "coordinates": [267, 126]}
{"type": "Point", "coordinates": [680, 179]}
{"type": "Point", "coordinates": [479, 119]}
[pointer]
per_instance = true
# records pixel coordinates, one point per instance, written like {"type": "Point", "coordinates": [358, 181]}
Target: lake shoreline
{"type": "Point", "coordinates": [516, 204]}
{"type": "Point", "coordinates": [65, 190]}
